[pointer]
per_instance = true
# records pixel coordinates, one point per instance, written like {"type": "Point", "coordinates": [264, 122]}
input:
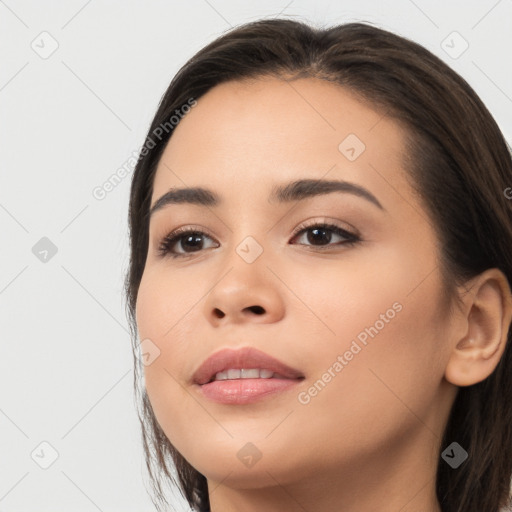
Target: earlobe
{"type": "Point", "coordinates": [489, 312]}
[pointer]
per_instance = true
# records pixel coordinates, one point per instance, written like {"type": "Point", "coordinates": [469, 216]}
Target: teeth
{"type": "Point", "coordinates": [252, 373]}
{"type": "Point", "coordinates": [234, 374]}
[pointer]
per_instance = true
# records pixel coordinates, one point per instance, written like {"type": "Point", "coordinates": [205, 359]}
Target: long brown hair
{"type": "Point", "coordinates": [460, 165]}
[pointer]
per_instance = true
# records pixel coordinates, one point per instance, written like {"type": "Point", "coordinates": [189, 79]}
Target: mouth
{"type": "Point", "coordinates": [243, 376]}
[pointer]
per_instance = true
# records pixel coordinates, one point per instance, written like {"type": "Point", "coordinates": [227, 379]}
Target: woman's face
{"type": "Point", "coordinates": [361, 321]}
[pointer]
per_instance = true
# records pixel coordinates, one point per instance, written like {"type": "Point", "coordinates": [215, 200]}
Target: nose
{"type": "Point", "coordinates": [245, 292]}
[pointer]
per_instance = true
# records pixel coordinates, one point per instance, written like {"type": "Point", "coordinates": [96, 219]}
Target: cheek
{"type": "Point", "coordinates": [163, 303]}
{"type": "Point", "coordinates": [391, 346]}
{"type": "Point", "coordinates": [162, 309]}
{"type": "Point", "coordinates": [384, 393]}
{"type": "Point", "coordinates": [394, 356]}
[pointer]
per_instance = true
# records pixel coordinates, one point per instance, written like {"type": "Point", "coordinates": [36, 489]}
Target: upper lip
{"type": "Point", "coordinates": [247, 357]}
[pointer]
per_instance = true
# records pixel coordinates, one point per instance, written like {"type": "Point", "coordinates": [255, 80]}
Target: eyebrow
{"type": "Point", "coordinates": [295, 191]}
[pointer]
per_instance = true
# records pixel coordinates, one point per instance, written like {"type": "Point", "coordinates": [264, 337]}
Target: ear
{"type": "Point", "coordinates": [486, 319]}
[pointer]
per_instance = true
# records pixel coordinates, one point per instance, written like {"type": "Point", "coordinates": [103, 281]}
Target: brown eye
{"type": "Point", "coordinates": [187, 242]}
{"type": "Point", "coordinates": [321, 235]}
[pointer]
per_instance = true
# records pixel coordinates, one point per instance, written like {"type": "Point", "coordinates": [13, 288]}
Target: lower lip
{"type": "Point", "coordinates": [244, 391]}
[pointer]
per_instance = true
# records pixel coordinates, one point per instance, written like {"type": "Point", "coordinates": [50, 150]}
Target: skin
{"type": "Point", "coordinates": [371, 438]}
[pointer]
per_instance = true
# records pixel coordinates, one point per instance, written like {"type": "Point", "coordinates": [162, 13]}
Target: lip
{"type": "Point", "coordinates": [240, 391]}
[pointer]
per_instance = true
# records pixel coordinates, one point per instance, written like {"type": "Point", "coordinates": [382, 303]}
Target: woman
{"type": "Point", "coordinates": [321, 258]}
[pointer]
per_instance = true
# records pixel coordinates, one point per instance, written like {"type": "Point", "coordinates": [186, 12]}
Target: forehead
{"type": "Point", "coordinates": [247, 136]}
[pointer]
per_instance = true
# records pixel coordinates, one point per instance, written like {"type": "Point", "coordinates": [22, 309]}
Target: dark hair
{"type": "Point", "coordinates": [459, 164]}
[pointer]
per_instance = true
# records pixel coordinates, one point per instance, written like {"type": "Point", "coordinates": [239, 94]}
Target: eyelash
{"type": "Point", "coordinates": [172, 238]}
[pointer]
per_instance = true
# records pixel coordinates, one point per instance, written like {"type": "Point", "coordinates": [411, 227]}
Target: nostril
{"type": "Point", "coordinates": [218, 313]}
{"type": "Point", "coordinates": [257, 309]}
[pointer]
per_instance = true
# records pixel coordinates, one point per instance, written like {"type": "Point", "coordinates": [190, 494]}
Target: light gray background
{"type": "Point", "coordinates": [67, 123]}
